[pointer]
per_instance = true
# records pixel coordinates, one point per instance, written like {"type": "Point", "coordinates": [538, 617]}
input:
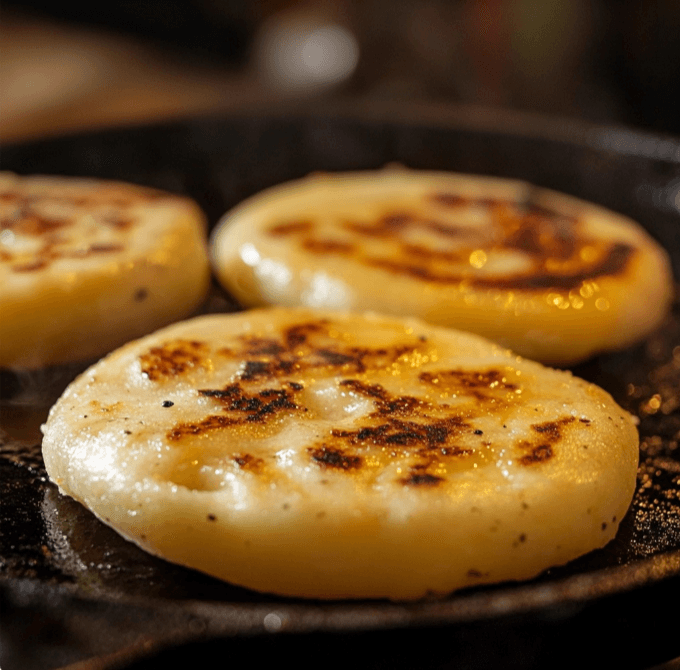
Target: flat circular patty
{"type": "Point", "coordinates": [326, 455]}
{"type": "Point", "coordinates": [552, 277]}
{"type": "Point", "coordinates": [86, 265]}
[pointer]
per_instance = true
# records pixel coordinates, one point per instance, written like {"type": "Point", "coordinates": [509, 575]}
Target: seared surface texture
{"type": "Point", "coordinates": [334, 456]}
{"type": "Point", "coordinates": [552, 277]}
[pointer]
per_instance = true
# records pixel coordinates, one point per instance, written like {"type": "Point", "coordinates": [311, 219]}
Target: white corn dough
{"type": "Point", "coordinates": [330, 455]}
{"type": "Point", "coordinates": [86, 265]}
{"type": "Point", "coordinates": [552, 277]}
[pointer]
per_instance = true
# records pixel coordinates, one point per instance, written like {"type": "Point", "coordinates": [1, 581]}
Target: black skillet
{"type": "Point", "coordinates": [71, 589]}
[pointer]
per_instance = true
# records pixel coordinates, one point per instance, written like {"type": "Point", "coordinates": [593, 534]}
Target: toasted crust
{"type": "Point", "coordinates": [86, 265]}
{"type": "Point", "coordinates": [552, 277]}
{"type": "Point", "coordinates": [341, 456]}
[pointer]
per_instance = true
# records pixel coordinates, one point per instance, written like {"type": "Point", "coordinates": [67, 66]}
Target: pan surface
{"type": "Point", "coordinates": [77, 590]}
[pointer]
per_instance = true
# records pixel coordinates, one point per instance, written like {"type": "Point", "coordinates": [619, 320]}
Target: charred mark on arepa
{"type": "Point", "coordinates": [117, 221]}
{"type": "Point", "coordinates": [27, 221]}
{"type": "Point", "coordinates": [299, 333]}
{"type": "Point", "coordinates": [102, 248]}
{"type": "Point", "coordinates": [241, 408]}
{"type": "Point", "coordinates": [552, 429]}
{"type": "Point", "coordinates": [539, 454]}
{"type": "Point", "coordinates": [396, 433]}
{"type": "Point", "coordinates": [419, 477]}
{"type": "Point", "coordinates": [96, 248]}
{"type": "Point", "coordinates": [31, 266]}
{"type": "Point", "coordinates": [370, 390]}
{"type": "Point", "coordinates": [440, 255]}
{"type": "Point", "coordinates": [290, 227]}
{"type": "Point", "coordinates": [396, 220]}
{"type": "Point", "coordinates": [387, 404]}
{"type": "Point", "coordinates": [210, 423]}
{"type": "Point", "coordinates": [252, 407]}
{"type": "Point", "coordinates": [249, 462]}
{"type": "Point", "coordinates": [340, 358]}
{"type": "Point", "coordinates": [543, 448]}
{"type": "Point", "coordinates": [456, 200]}
{"type": "Point", "coordinates": [613, 260]}
{"type": "Point", "coordinates": [173, 358]}
{"type": "Point", "coordinates": [471, 379]}
{"type": "Point", "coordinates": [335, 458]}
{"type": "Point", "coordinates": [533, 241]}
{"type": "Point", "coordinates": [449, 199]}
{"type": "Point", "coordinates": [264, 346]}
{"type": "Point", "coordinates": [49, 215]}
{"type": "Point", "coordinates": [483, 385]}
{"type": "Point", "coordinates": [404, 422]}
{"type": "Point", "coordinates": [385, 226]}
{"type": "Point", "coordinates": [547, 237]}
{"type": "Point", "coordinates": [526, 206]}
{"type": "Point", "coordinates": [317, 246]}
{"type": "Point", "coordinates": [51, 251]}
{"type": "Point", "coordinates": [308, 346]}
{"type": "Point", "coordinates": [253, 370]}
{"type": "Point", "coordinates": [399, 426]}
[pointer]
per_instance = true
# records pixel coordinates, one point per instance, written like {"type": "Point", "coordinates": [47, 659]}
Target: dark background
{"type": "Point", "coordinates": [589, 59]}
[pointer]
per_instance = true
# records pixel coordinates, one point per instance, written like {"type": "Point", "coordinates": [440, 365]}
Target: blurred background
{"type": "Point", "coordinates": [71, 65]}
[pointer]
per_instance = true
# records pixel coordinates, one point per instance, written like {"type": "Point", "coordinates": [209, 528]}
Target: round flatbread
{"type": "Point", "coordinates": [552, 277]}
{"type": "Point", "coordinates": [86, 265]}
{"type": "Point", "coordinates": [341, 456]}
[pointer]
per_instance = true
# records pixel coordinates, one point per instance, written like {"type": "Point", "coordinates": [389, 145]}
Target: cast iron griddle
{"type": "Point", "coordinates": [71, 589]}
